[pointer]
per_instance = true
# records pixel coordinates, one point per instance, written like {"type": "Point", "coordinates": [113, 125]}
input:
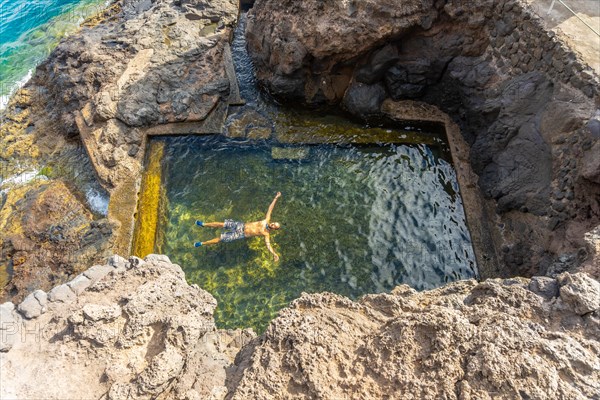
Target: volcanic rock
{"type": "Point", "coordinates": [465, 340]}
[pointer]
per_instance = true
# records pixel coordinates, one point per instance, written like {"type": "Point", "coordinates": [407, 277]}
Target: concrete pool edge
{"type": "Point", "coordinates": [477, 210]}
{"type": "Point", "coordinates": [407, 113]}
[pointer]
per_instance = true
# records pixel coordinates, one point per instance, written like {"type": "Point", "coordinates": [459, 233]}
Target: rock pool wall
{"type": "Point", "coordinates": [525, 102]}
{"type": "Point", "coordinates": [139, 68]}
{"type": "Point", "coordinates": [134, 329]}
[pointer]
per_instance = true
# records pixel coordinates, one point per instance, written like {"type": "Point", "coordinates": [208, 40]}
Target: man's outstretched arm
{"type": "Point", "coordinates": [268, 243]}
{"type": "Point", "coordinates": [272, 206]}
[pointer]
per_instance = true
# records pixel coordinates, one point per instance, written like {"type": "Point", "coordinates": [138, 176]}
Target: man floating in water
{"type": "Point", "coordinates": [239, 230]}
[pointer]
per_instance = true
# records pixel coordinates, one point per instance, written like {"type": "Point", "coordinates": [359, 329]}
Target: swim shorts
{"type": "Point", "coordinates": [235, 231]}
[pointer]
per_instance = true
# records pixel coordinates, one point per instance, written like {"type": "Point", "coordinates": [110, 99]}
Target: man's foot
{"type": "Point", "coordinates": [199, 223]}
{"type": "Point", "coordinates": [197, 244]}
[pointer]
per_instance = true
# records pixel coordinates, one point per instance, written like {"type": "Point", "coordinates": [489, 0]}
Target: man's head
{"type": "Point", "coordinates": [274, 225]}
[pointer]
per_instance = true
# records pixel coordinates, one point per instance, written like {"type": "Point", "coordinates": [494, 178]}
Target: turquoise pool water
{"type": "Point", "coordinates": [356, 220]}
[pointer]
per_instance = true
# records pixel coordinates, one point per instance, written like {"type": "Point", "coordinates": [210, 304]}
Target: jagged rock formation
{"type": "Point", "coordinates": [511, 339]}
{"type": "Point", "coordinates": [48, 229]}
{"type": "Point", "coordinates": [147, 63]}
{"type": "Point", "coordinates": [126, 330]}
{"type": "Point", "coordinates": [139, 68]}
{"type": "Point", "coordinates": [161, 67]}
{"type": "Point", "coordinates": [136, 65]}
{"type": "Point", "coordinates": [134, 329]}
{"type": "Point", "coordinates": [526, 104]}
{"type": "Point", "coordinates": [47, 233]}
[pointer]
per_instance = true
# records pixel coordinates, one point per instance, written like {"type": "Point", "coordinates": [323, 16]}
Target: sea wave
{"type": "Point", "coordinates": [4, 99]}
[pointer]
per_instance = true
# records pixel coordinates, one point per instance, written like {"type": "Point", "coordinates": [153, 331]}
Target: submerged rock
{"type": "Point", "coordinates": [249, 124]}
{"type": "Point", "coordinates": [290, 153]}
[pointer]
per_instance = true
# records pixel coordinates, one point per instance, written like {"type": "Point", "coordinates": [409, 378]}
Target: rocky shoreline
{"type": "Point", "coordinates": [135, 70]}
{"type": "Point", "coordinates": [105, 90]}
{"type": "Point", "coordinates": [134, 329]}
{"type": "Point", "coordinates": [521, 111]}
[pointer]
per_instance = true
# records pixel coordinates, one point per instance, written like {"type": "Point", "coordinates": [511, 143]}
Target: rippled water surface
{"type": "Point", "coordinates": [355, 220]}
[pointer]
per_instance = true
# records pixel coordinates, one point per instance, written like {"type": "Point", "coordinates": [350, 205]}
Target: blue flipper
{"type": "Point", "coordinates": [197, 244]}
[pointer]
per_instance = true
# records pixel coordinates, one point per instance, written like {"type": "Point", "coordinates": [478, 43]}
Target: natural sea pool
{"type": "Point", "coordinates": [356, 219]}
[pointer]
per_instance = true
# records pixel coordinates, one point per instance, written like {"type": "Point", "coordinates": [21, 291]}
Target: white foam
{"type": "Point", "coordinates": [20, 179]}
{"type": "Point", "coordinates": [4, 99]}
{"type": "Point", "coordinates": [97, 201]}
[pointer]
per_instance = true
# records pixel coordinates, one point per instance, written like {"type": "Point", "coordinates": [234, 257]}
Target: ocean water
{"type": "Point", "coordinates": [30, 30]}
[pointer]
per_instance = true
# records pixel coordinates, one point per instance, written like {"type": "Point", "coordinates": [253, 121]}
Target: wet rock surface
{"type": "Point", "coordinates": [526, 104]}
{"type": "Point", "coordinates": [136, 65]}
{"type": "Point", "coordinates": [147, 63]}
{"type": "Point", "coordinates": [48, 235]}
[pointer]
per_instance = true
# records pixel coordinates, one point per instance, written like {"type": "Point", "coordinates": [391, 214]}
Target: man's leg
{"type": "Point", "coordinates": [207, 243]}
{"type": "Point", "coordinates": [214, 224]}
{"type": "Point", "coordinates": [211, 224]}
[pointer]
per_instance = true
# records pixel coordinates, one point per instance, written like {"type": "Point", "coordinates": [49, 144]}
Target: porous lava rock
{"type": "Point", "coordinates": [129, 329]}
{"type": "Point", "coordinates": [500, 339]}
{"type": "Point", "coordinates": [135, 329]}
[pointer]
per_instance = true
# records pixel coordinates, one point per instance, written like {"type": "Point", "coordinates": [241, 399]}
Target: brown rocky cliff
{"type": "Point", "coordinates": [135, 329]}
{"type": "Point", "coordinates": [501, 339]}
{"type": "Point", "coordinates": [125, 330]}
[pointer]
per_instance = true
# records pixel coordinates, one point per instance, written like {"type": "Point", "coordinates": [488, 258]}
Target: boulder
{"type": "Point", "coordinates": [62, 293]}
{"type": "Point", "coordinates": [79, 284]}
{"type": "Point", "coordinates": [377, 65]}
{"type": "Point", "coordinates": [364, 100]}
{"type": "Point", "coordinates": [34, 305]}
{"type": "Point", "coordinates": [589, 164]}
{"type": "Point", "coordinates": [97, 272]}
{"type": "Point", "coordinates": [544, 286]}
{"type": "Point", "coordinates": [326, 36]}
{"type": "Point", "coordinates": [420, 344]}
{"type": "Point", "coordinates": [580, 292]}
